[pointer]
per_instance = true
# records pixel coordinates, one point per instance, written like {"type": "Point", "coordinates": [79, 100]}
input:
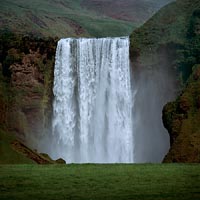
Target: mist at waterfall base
{"type": "Point", "coordinates": [155, 87]}
{"type": "Point", "coordinates": [104, 110]}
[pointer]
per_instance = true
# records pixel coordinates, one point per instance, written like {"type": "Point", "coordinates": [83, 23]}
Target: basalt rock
{"type": "Point", "coordinates": [60, 161]}
{"type": "Point", "coordinates": [27, 76]}
{"type": "Point", "coordinates": [181, 118]}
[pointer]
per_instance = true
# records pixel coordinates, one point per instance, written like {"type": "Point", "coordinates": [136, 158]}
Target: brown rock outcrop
{"type": "Point", "coordinates": [31, 65]}
{"type": "Point", "coordinates": [27, 73]}
{"type": "Point", "coordinates": [182, 120]}
{"type": "Point", "coordinates": [33, 155]}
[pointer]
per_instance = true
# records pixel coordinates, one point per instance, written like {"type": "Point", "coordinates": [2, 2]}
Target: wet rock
{"type": "Point", "coordinates": [60, 161]}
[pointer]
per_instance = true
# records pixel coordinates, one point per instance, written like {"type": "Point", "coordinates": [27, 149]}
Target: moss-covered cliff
{"type": "Point", "coordinates": [182, 117]}
{"type": "Point", "coordinates": [26, 77]}
{"type": "Point", "coordinates": [182, 120]}
{"type": "Point", "coordinates": [171, 40]}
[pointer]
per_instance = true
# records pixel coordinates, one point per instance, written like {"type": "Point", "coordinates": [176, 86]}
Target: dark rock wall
{"type": "Point", "coordinates": [27, 75]}
{"type": "Point", "coordinates": [182, 120]}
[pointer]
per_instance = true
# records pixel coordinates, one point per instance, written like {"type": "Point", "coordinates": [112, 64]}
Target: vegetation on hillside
{"type": "Point", "coordinates": [168, 26]}
{"type": "Point", "coordinates": [133, 11]}
{"type": "Point", "coordinates": [182, 117]}
{"type": "Point", "coordinates": [7, 154]}
{"type": "Point", "coordinates": [13, 151]}
{"type": "Point", "coordinates": [75, 18]}
{"type": "Point", "coordinates": [171, 38]}
{"type": "Point", "coordinates": [189, 53]}
{"type": "Point", "coordinates": [64, 18]}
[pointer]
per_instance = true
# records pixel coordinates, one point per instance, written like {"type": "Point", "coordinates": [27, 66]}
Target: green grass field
{"type": "Point", "coordinates": [94, 182]}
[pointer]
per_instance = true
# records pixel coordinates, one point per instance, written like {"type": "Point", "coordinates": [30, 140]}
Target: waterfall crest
{"type": "Point", "coordinates": [92, 108]}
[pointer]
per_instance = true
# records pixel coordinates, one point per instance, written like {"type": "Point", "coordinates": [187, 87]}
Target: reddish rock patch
{"type": "Point", "coordinates": [21, 148]}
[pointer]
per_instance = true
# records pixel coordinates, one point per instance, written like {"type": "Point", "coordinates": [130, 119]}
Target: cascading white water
{"type": "Point", "coordinates": [92, 109]}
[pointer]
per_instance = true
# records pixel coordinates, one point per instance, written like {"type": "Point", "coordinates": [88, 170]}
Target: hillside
{"type": "Point", "coordinates": [13, 151]}
{"type": "Point", "coordinates": [169, 44]}
{"type": "Point", "coordinates": [67, 18]}
{"type": "Point", "coordinates": [133, 11]}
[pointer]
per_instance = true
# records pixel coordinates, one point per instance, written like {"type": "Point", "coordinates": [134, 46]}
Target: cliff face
{"type": "Point", "coordinates": [182, 120]}
{"type": "Point", "coordinates": [26, 85]}
{"type": "Point", "coordinates": [182, 117]}
{"type": "Point", "coordinates": [170, 40]}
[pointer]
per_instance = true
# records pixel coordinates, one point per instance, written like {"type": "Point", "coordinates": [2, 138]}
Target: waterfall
{"type": "Point", "coordinates": [93, 102]}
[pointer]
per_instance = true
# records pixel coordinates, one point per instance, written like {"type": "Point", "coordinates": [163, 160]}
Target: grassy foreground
{"type": "Point", "coordinates": [89, 182]}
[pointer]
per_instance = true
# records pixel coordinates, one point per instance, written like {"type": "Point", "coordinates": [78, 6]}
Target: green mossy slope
{"type": "Point", "coordinates": [64, 18]}
{"type": "Point", "coordinates": [169, 25]}
{"type": "Point", "coordinates": [13, 151]}
{"type": "Point", "coordinates": [175, 33]}
{"type": "Point", "coordinates": [7, 153]}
